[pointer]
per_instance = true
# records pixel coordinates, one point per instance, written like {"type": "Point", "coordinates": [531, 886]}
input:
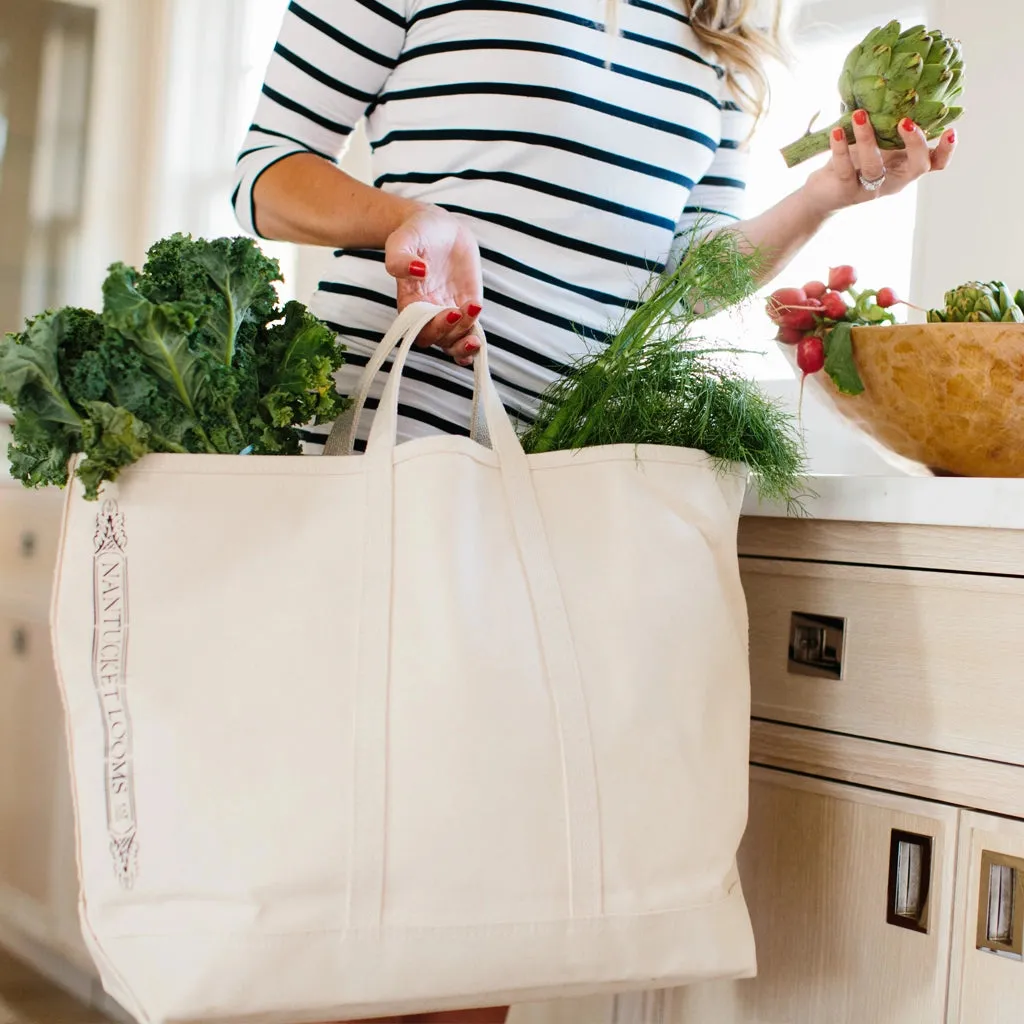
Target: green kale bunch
{"type": "Point", "coordinates": [193, 354]}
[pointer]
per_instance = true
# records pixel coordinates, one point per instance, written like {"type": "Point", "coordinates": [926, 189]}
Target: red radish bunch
{"type": "Point", "coordinates": [805, 315]}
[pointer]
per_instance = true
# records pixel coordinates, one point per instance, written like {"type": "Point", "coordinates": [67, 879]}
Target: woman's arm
{"type": "Point", "coordinates": [784, 229]}
{"type": "Point", "coordinates": [332, 60]}
{"type": "Point", "coordinates": [431, 254]}
{"type": "Point", "coordinates": [305, 199]}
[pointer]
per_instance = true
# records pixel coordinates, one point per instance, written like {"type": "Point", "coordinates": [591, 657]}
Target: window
{"type": "Point", "coordinates": [876, 238]}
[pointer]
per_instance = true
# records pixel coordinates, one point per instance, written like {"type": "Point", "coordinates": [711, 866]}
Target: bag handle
{"type": "Point", "coordinates": [404, 332]}
{"type": "Point", "coordinates": [551, 619]}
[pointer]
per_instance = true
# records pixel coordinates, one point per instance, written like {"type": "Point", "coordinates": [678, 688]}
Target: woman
{"type": "Point", "coordinates": [535, 162]}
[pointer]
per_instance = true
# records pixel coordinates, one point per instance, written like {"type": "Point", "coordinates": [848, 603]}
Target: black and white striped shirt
{"type": "Point", "coordinates": [576, 157]}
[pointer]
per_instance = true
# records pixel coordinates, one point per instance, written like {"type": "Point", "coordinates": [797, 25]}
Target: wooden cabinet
{"type": "Point", "coordinates": [987, 968]}
{"type": "Point", "coordinates": [38, 876]}
{"type": "Point", "coordinates": [850, 892]}
{"type": "Point", "coordinates": [902, 745]}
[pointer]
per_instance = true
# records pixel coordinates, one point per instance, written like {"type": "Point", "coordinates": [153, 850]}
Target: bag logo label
{"type": "Point", "coordinates": [110, 650]}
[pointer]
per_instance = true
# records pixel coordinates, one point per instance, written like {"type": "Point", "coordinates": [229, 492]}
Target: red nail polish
{"type": "Point", "coordinates": [473, 309]}
{"type": "Point", "coordinates": [418, 268]}
{"type": "Point", "coordinates": [907, 125]}
{"type": "Point", "coordinates": [472, 346]}
{"type": "Point", "coordinates": [454, 316]}
{"type": "Point", "coordinates": [838, 134]}
{"type": "Point", "coordinates": [860, 117]}
{"type": "Point", "coordinates": [951, 136]}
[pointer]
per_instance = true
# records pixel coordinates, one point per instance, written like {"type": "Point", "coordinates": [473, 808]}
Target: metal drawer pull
{"type": "Point", "coordinates": [910, 876]}
{"type": "Point", "coordinates": [816, 645]}
{"type": "Point", "coordinates": [1001, 906]}
{"type": "Point", "coordinates": [19, 641]}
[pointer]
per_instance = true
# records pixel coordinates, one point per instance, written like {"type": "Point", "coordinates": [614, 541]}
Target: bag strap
{"type": "Point", "coordinates": [554, 631]}
{"type": "Point", "coordinates": [342, 438]}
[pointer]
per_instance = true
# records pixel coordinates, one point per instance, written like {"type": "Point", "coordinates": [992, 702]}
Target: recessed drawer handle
{"type": "Point", "coordinates": [19, 641]}
{"type": "Point", "coordinates": [1001, 906]}
{"type": "Point", "coordinates": [910, 878]}
{"type": "Point", "coordinates": [28, 544]}
{"type": "Point", "coordinates": [816, 645]}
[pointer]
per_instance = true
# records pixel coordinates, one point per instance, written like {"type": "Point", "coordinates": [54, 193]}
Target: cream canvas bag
{"type": "Point", "coordinates": [435, 726]}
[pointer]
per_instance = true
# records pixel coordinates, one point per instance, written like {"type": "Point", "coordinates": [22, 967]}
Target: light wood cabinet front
{"type": "Point", "coordinates": [929, 659]}
{"type": "Point", "coordinates": [987, 983]}
{"type": "Point", "coordinates": [815, 865]}
{"type": "Point", "coordinates": [29, 532]}
{"type": "Point", "coordinates": [38, 874]}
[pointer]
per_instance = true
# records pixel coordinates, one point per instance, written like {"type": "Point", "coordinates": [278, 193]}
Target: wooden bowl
{"type": "Point", "coordinates": [948, 396]}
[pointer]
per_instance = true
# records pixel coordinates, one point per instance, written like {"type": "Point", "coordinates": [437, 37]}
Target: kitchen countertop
{"type": "Point", "coordinates": [925, 501]}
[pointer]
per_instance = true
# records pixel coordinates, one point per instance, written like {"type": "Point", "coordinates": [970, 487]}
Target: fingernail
{"type": "Point", "coordinates": [860, 117]}
{"type": "Point", "coordinates": [473, 309]}
{"type": "Point", "coordinates": [454, 316]}
{"type": "Point", "coordinates": [838, 134]}
{"type": "Point", "coordinates": [907, 125]}
{"type": "Point", "coordinates": [472, 346]}
{"type": "Point", "coordinates": [418, 268]}
{"type": "Point", "coordinates": [951, 136]}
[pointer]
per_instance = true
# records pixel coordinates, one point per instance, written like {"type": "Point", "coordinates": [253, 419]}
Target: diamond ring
{"type": "Point", "coordinates": [871, 184]}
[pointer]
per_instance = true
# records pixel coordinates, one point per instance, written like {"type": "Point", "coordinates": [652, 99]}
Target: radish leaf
{"type": "Point", "coordinates": [839, 361]}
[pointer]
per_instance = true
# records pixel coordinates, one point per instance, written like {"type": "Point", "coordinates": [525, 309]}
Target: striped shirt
{"type": "Point", "coordinates": [577, 159]}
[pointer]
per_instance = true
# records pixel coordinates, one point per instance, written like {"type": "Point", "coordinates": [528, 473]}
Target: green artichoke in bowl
{"type": "Point", "coordinates": [979, 302]}
{"type": "Point", "coordinates": [893, 74]}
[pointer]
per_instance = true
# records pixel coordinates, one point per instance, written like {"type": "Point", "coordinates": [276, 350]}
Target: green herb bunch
{"type": "Point", "coordinates": [659, 383]}
{"type": "Point", "coordinates": [193, 354]}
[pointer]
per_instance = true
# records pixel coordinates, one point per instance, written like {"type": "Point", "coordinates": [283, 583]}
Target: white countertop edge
{"type": "Point", "coordinates": [924, 501]}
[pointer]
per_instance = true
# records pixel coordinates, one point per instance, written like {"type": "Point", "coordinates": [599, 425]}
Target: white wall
{"type": "Point", "coordinates": [971, 217]}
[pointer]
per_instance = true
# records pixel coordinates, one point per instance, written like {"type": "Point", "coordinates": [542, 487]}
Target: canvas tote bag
{"type": "Point", "coordinates": [436, 726]}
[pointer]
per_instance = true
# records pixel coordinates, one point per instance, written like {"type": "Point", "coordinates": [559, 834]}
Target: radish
{"type": "Point", "coordinates": [782, 298]}
{"type": "Point", "coordinates": [840, 279]}
{"type": "Point", "coordinates": [810, 354]}
{"type": "Point", "coordinates": [790, 335]}
{"type": "Point", "coordinates": [886, 297]}
{"type": "Point", "coordinates": [799, 319]}
{"type": "Point", "coordinates": [815, 289]}
{"type": "Point", "coordinates": [833, 306]}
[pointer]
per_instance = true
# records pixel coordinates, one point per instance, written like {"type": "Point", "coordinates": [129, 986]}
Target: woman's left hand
{"type": "Point", "coordinates": [837, 185]}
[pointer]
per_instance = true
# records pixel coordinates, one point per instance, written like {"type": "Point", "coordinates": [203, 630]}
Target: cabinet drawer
{"type": "Point", "coordinates": [31, 749]}
{"type": "Point", "coordinates": [29, 531]}
{"type": "Point", "coordinates": [928, 659]}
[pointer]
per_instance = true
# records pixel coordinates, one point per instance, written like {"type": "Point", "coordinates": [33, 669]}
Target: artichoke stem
{"type": "Point", "coordinates": [810, 145]}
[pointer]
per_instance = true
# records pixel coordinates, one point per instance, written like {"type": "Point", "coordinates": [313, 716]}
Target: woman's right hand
{"type": "Point", "coordinates": [434, 258]}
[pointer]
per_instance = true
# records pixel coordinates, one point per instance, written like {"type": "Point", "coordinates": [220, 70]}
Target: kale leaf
{"type": "Point", "coordinates": [193, 354]}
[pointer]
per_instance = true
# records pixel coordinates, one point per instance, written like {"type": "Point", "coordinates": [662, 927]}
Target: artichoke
{"type": "Point", "coordinates": [916, 73]}
{"type": "Point", "coordinates": [977, 302]}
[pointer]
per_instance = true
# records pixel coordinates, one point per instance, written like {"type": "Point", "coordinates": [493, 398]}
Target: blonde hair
{"type": "Point", "coordinates": [727, 28]}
